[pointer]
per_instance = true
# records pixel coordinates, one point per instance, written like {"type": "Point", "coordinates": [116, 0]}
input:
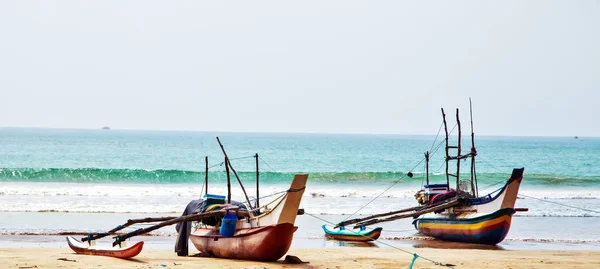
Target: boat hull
{"type": "Point", "coordinates": [490, 229]}
{"type": "Point", "coordinates": [267, 243]}
{"type": "Point", "coordinates": [123, 253]}
{"type": "Point", "coordinates": [485, 220]}
{"type": "Point", "coordinates": [350, 235]}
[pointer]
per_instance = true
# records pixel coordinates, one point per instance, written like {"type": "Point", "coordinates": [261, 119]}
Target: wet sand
{"type": "Point", "coordinates": [24, 258]}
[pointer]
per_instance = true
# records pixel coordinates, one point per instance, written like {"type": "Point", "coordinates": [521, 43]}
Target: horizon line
{"type": "Point", "coordinates": [272, 132]}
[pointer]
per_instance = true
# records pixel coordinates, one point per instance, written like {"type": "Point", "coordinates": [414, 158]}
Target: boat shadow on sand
{"type": "Point", "coordinates": [336, 243]}
{"type": "Point", "coordinates": [453, 245]}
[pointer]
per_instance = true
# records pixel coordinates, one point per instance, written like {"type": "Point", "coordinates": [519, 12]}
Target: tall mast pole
{"type": "Point", "coordinates": [458, 154]}
{"type": "Point", "coordinates": [228, 180]}
{"type": "Point", "coordinates": [446, 130]}
{"type": "Point", "coordinates": [206, 175]}
{"type": "Point", "coordinates": [473, 154]}
{"type": "Point", "coordinates": [257, 175]}
{"type": "Point", "coordinates": [427, 167]}
{"type": "Point", "coordinates": [235, 173]}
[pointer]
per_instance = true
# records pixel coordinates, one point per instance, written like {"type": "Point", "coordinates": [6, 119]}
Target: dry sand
{"type": "Point", "coordinates": [333, 258]}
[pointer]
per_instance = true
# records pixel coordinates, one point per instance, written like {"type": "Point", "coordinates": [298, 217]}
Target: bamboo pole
{"type": "Point", "coordinates": [235, 173]}
{"type": "Point", "coordinates": [427, 167]}
{"type": "Point", "coordinates": [458, 153]}
{"type": "Point", "coordinates": [129, 222]}
{"type": "Point", "coordinates": [446, 130]}
{"type": "Point", "coordinates": [228, 180]}
{"type": "Point", "coordinates": [473, 154]}
{"type": "Point", "coordinates": [257, 179]}
{"type": "Point", "coordinates": [352, 221]}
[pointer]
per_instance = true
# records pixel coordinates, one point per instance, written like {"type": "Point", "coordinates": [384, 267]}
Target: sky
{"type": "Point", "coordinates": [532, 68]}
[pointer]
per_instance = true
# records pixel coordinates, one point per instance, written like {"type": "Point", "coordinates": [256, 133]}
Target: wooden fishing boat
{"type": "Point", "coordinates": [459, 213]}
{"type": "Point", "coordinates": [360, 235]}
{"type": "Point", "coordinates": [221, 227]}
{"type": "Point", "coordinates": [477, 219]}
{"type": "Point", "coordinates": [117, 252]}
{"type": "Point", "coordinates": [266, 236]}
{"type": "Point", "coordinates": [482, 220]}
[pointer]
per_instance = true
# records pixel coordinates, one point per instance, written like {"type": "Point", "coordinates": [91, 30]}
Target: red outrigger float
{"type": "Point", "coordinates": [117, 252]}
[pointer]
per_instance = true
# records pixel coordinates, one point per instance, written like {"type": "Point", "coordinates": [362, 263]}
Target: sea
{"type": "Point", "coordinates": [71, 181]}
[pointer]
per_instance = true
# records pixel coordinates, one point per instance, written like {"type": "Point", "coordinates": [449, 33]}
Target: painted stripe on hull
{"type": "Point", "coordinates": [483, 230]}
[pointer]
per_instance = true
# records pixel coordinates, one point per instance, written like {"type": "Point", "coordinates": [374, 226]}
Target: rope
{"type": "Point", "coordinates": [415, 255]}
{"type": "Point", "coordinates": [556, 203]}
{"type": "Point", "coordinates": [531, 197]}
{"type": "Point", "coordinates": [393, 184]}
{"type": "Point", "coordinates": [436, 136]}
{"type": "Point", "coordinates": [260, 158]}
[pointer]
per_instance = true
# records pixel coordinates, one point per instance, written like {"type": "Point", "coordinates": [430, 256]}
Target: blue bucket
{"type": "Point", "coordinates": [228, 225]}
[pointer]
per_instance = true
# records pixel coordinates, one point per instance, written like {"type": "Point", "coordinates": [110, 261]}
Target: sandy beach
{"type": "Point", "coordinates": [23, 258]}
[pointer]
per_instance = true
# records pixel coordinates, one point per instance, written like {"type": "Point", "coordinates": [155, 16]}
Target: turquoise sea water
{"type": "Point", "coordinates": [99, 156]}
{"type": "Point", "coordinates": [119, 171]}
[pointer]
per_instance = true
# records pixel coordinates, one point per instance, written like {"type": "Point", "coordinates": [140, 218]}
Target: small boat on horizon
{"type": "Point", "coordinates": [105, 128]}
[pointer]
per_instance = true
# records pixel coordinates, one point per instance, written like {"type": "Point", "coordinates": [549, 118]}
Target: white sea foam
{"type": "Point", "coordinates": [318, 199]}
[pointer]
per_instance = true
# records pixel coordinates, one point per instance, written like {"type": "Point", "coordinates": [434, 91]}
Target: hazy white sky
{"type": "Point", "coordinates": [531, 67]}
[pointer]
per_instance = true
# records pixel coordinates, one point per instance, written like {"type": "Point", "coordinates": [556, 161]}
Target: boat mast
{"type": "Point", "coordinates": [228, 164]}
{"type": "Point", "coordinates": [427, 167]}
{"type": "Point", "coordinates": [458, 152]}
{"type": "Point", "coordinates": [473, 154]}
{"type": "Point", "coordinates": [257, 174]}
{"type": "Point", "coordinates": [206, 174]}
{"type": "Point", "coordinates": [228, 180]}
{"type": "Point", "coordinates": [447, 159]}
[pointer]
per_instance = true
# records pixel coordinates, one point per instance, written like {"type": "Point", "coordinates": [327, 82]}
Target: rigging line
{"type": "Point", "coordinates": [395, 182]}
{"type": "Point", "coordinates": [383, 243]}
{"type": "Point", "coordinates": [556, 203]}
{"type": "Point", "coordinates": [436, 136]}
{"type": "Point", "coordinates": [388, 188]}
{"type": "Point", "coordinates": [266, 163]}
{"type": "Point", "coordinates": [239, 158]}
{"type": "Point", "coordinates": [442, 142]}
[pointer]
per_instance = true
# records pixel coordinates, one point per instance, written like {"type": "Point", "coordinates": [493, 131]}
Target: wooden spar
{"type": "Point", "coordinates": [448, 204]}
{"type": "Point", "coordinates": [446, 129]}
{"type": "Point", "coordinates": [257, 175]}
{"type": "Point", "coordinates": [194, 217]}
{"type": "Point", "coordinates": [427, 167]}
{"type": "Point", "coordinates": [473, 153]}
{"type": "Point", "coordinates": [228, 180]}
{"type": "Point", "coordinates": [206, 174]}
{"type": "Point", "coordinates": [234, 173]}
{"type": "Point", "coordinates": [458, 154]}
{"type": "Point", "coordinates": [352, 221]}
{"type": "Point", "coordinates": [129, 222]}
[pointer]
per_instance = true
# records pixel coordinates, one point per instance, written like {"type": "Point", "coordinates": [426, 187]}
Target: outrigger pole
{"type": "Point", "coordinates": [94, 236]}
{"type": "Point", "coordinates": [414, 211]}
{"type": "Point", "coordinates": [194, 217]}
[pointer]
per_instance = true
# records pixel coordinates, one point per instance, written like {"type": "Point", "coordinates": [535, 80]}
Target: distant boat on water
{"type": "Point", "coordinates": [105, 128]}
{"type": "Point", "coordinates": [576, 137]}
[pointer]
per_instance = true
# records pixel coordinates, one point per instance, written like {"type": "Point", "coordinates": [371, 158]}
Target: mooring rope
{"type": "Point", "coordinates": [557, 203]}
{"type": "Point", "coordinates": [415, 255]}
